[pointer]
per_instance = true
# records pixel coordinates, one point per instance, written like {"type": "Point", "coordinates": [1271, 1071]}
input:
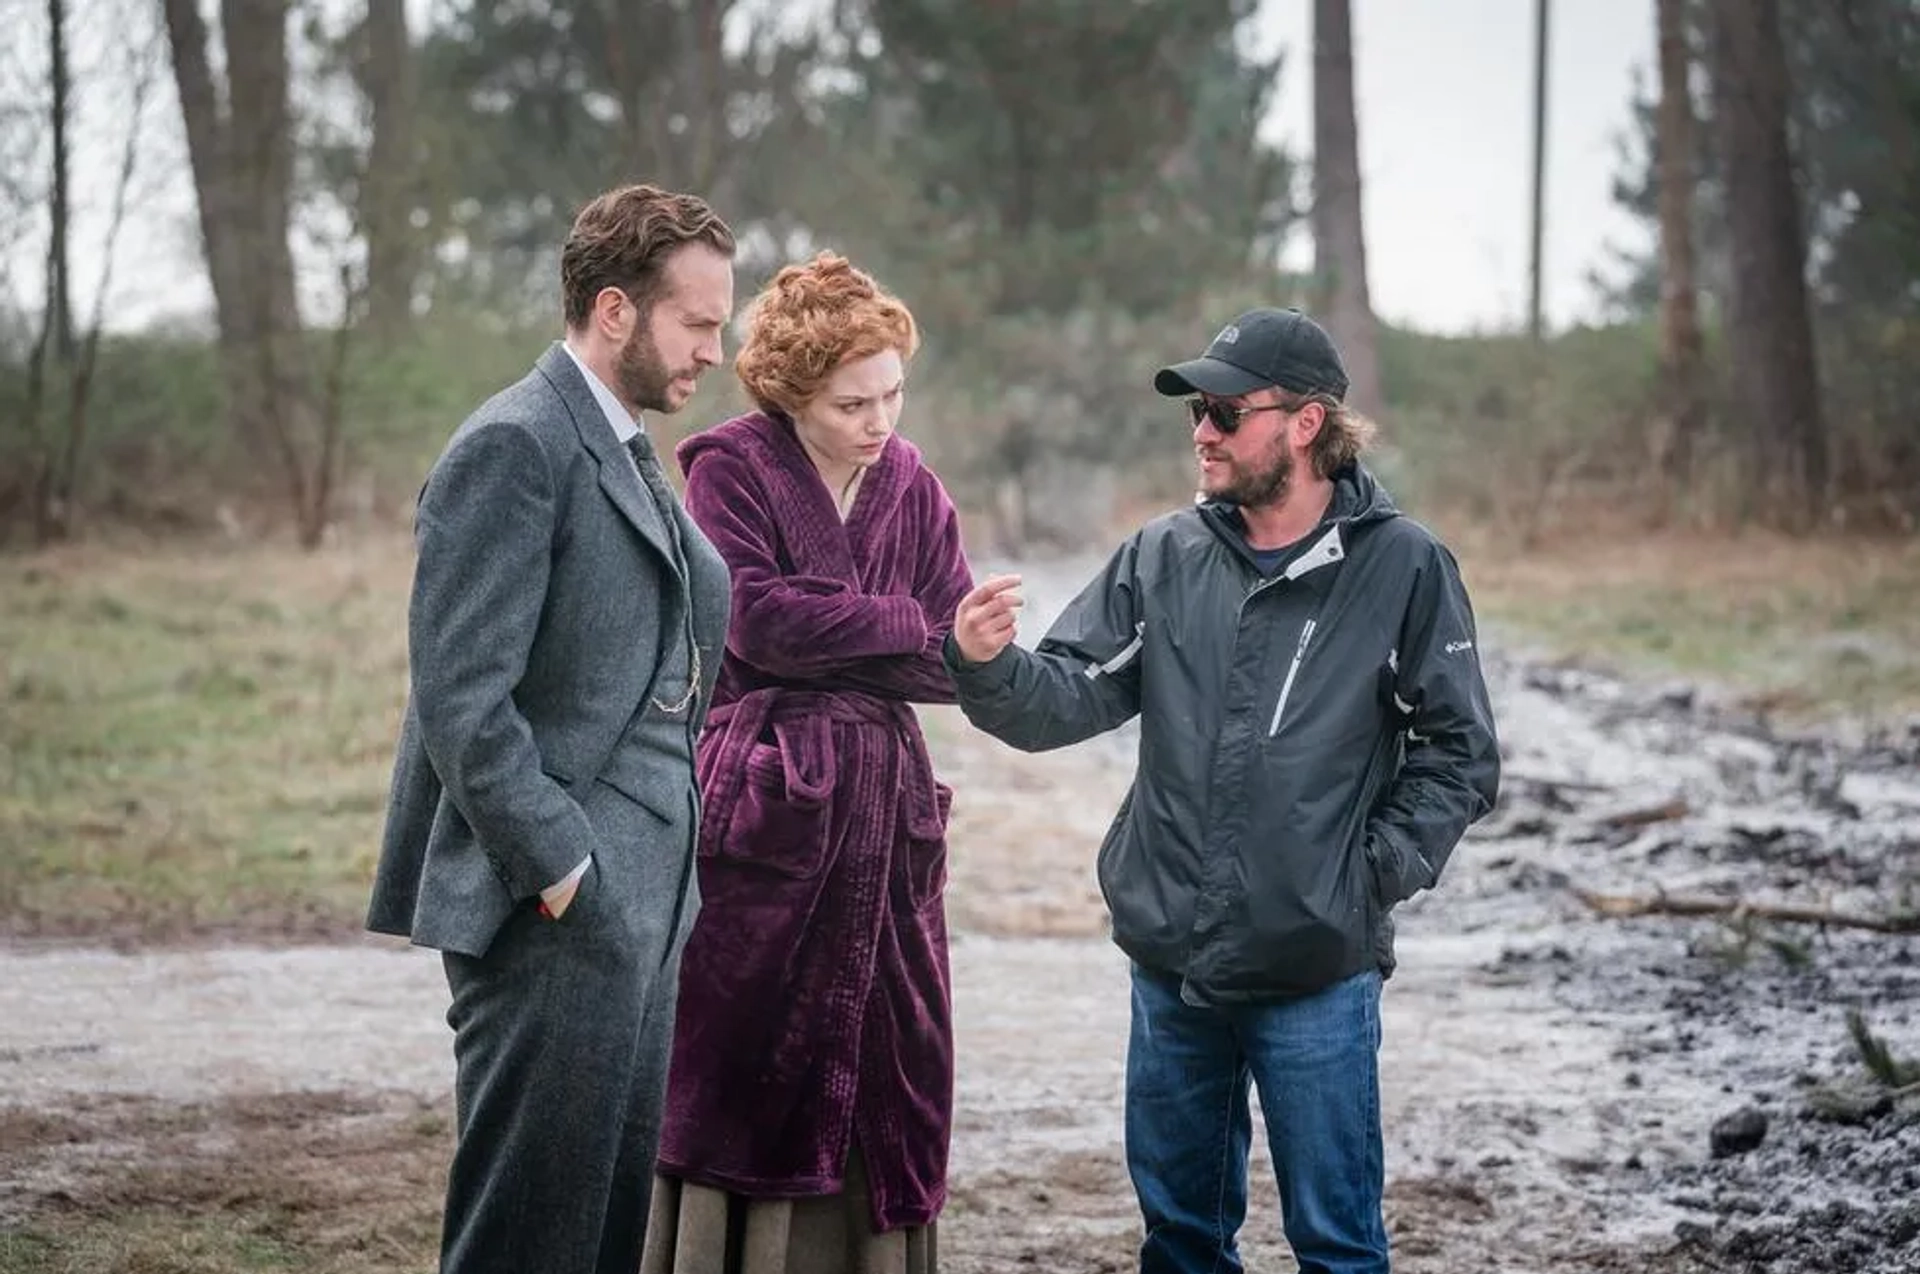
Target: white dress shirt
{"type": "Point", "coordinates": [625, 426]}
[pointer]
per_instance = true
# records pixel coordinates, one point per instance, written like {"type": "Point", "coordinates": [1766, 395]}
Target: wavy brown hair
{"type": "Point", "coordinates": [810, 319]}
{"type": "Point", "coordinates": [623, 239]}
{"type": "Point", "coordinates": [1344, 433]}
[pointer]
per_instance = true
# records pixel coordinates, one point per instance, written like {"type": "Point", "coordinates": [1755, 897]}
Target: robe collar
{"type": "Point", "coordinates": [799, 500]}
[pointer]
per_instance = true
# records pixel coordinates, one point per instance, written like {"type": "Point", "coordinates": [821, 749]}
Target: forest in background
{"type": "Point", "coordinates": [1066, 191]}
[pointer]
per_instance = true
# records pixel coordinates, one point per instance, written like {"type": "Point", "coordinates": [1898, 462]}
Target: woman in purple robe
{"type": "Point", "coordinates": [810, 1100]}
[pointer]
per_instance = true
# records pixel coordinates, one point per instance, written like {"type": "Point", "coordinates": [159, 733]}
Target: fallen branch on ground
{"type": "Point", "coordinates": [1621, 906]}
{"type": "Point", "coordinates": [1522, 777]}
{"type": "Point", "coordinates": [1647, 815]}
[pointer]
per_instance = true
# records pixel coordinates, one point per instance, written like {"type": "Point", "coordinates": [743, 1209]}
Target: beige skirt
{"type": "Point", "coordinates": [695, 1229]}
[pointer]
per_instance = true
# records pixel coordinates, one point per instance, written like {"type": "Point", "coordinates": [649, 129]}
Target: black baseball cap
{"type": "Point", "coordinates": [1260, 348]}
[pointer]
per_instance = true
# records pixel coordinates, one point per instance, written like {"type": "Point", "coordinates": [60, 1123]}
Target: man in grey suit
{"type": "Point", "coordinates": [565, 627]}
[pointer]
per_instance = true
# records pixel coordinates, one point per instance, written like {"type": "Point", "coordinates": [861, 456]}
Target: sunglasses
{"type": "Point", "coordinates": [1225, 417]}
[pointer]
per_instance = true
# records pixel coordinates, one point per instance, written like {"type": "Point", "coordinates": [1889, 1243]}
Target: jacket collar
{"type": "Point", "coordinates": [617, 476]}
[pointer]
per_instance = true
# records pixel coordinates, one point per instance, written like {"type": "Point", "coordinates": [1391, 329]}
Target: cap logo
{"type": "Point", "coordinates": [1229, 335]}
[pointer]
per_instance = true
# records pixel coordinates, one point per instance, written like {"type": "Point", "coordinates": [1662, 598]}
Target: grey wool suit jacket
{"type": "Point", "coordinates": [545, 591]}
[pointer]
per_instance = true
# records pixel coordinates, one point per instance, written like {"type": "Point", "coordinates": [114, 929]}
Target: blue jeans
{"type": "Point", "coordinates": [1189, 1128]}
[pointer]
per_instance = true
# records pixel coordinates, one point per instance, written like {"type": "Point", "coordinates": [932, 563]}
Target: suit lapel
{"type": "Point", "coordinates": [617, 477]}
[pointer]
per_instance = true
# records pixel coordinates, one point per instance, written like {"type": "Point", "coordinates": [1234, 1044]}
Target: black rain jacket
{"type": "Point", "coordinates": [1312, 744]}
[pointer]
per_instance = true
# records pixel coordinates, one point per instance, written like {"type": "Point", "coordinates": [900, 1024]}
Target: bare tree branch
{"type": "Point", "coordinates": [145, 68]}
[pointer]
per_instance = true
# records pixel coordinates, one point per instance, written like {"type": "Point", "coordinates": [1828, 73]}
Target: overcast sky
{"type": "Point", "coordinates": [1444, 93]}
{"type": "Point", "coordinates": [1444, 90]}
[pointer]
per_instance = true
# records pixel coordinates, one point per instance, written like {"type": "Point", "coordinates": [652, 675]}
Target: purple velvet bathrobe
{"type": "Point", "coordinates": [814, 1005]}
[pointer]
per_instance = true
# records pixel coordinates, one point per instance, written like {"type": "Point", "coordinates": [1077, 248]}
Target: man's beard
{"type": "Point", "coordinates": [1259, 485]}
{"type": "Point", "coordinates": [643, 375]}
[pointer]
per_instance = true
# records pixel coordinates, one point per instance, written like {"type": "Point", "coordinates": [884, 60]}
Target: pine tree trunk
{"type": "Point", "coordinates": [385, 202]}
{"type": "Point", "coordinates": [222, 227]}
{"type": "Point", "coordinates": [1684, 416]}
{"type": "Point", "coordinates": [1339, 238]}
{"type": "Point", "coordinates": [1775, 391]}
{"type": "Point", "coordinates": [242, 160]}
{"type": "Point", "coordinates": [60, 282]}
{"type": "Point", "coordinates": [51, 361]}
{"type": "Point", "coordinates": [1537, 223]}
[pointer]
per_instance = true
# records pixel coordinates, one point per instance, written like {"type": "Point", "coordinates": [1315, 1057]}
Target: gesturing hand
{"type": "Point", "coordinates": [984, 623]}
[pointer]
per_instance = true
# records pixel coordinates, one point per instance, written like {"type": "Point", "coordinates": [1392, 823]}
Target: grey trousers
{"type": "Point", "coordinates": [562, 1034]}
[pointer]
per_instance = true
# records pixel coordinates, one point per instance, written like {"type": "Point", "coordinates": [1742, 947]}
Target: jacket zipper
{"type": "Point", "coordinates": [1327, 550]}
{"type": "Point", "coordinates": [1293, 671]}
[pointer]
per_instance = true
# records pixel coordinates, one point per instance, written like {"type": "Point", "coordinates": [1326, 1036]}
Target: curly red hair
{"type": "Point", "coordinates": [810, 319]}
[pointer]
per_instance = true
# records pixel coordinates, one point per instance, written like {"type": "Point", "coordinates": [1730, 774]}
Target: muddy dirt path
{"type": "Point", "coordinates": [1042, 1036]}
{"type": "Point", "coordinates": [1550, 1079]}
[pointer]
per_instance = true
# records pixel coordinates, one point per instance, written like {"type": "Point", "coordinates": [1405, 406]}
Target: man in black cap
{"type": "Point", "coordinates": [1315, 738]}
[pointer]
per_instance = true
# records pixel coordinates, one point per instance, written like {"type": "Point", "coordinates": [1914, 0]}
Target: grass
{"type": "Point", "coordinates": [1806, 630]}
{"type": "Point", "coordinates": [195, 739]}
{"type": "Point", "coordinates": [150, 1243]}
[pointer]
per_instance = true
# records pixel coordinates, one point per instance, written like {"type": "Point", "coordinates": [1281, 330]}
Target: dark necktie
{"type": "Point", "coordinates": [640, 447]}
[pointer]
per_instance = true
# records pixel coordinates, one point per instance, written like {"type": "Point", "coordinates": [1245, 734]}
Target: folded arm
{"type": "Point", "coordinates": [795, 626]}
{"type": "Point", "coordinates": [942, 579]}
